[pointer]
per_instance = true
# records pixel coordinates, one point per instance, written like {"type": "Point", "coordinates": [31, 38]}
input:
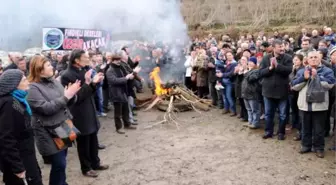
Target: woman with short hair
{"type": "Point", "coordinates": [49, 100]}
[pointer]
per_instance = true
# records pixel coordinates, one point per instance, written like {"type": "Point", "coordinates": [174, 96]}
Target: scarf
{"type": "Point", "coordinates": [20, 95]}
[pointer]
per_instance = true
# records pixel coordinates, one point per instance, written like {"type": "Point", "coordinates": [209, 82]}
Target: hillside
{"type": "Point", "coordinates": [254, 14]}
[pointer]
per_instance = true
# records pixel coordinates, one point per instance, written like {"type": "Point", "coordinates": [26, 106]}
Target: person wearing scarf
{"type": "Point", "coordinates": [17, 149]}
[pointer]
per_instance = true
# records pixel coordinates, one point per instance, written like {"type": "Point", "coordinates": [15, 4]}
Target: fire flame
{"type": "Point", "coordinates": [155, 76]}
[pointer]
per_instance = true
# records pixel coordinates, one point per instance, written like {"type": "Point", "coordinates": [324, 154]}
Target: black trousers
{"type": "Point", "coordinates": [243, 111]}
{"type": "Point", "coordinates": [188, 82]}
{"type": "Point", "coordinates": [313, 124]}
{"type": "Point", "coordinates": [106, 97]}
{"type": "Point", "coordinates": [87, 147]}
{"type": "Point", "coordinates": [327, 121]}
{"type": "Point", "coordinates": [121, 115]}
{"type": "Point", "coordinates": [33, 172]}
{"type": "Point", "coordinates": [213, 93]}
{"type": "Point", "coordinates": [202, 92]}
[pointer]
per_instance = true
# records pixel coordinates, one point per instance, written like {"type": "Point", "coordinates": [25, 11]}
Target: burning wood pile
{"type": "Point", "coordinates": [173, 97]}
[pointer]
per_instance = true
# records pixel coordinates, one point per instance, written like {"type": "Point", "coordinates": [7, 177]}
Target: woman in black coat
{"type": "Point", "coordinates": [17, 149]}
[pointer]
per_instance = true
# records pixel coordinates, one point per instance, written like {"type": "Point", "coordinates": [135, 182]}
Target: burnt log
{"type": "Point", "coordinates": [196, 102]}
{"type": "Point", "coordinates": [179, 106]}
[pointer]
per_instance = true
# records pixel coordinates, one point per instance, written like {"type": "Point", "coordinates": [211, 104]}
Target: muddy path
{"type": "Point", "coordinates": [208, 149]}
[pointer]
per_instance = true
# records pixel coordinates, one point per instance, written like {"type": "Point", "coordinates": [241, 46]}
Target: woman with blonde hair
{"type": "Point", "coordinates": [49, 100]}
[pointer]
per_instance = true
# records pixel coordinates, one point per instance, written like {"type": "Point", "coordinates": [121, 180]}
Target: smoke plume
{"type": "Point", "coordinates": [21, 21]}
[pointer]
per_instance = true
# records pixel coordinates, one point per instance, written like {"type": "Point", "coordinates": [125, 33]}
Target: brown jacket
{"type": "Point", "coordinates": [201, 71]}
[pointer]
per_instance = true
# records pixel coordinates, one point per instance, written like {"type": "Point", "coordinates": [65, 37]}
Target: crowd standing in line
{"type": "Point", "coordinates": [263, 75]}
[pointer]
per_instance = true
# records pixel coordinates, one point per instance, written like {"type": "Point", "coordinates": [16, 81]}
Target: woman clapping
{"type": "Point", "coordinates": [49, 100]}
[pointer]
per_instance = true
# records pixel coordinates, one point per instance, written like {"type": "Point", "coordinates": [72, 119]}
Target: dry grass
{"type": "Point", "coordinates": [231, 15]}
{"type": "Point", "coordinates": [258, 12]}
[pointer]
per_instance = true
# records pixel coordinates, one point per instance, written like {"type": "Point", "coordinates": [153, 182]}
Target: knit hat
{"type": "Point", "coordinates": [253, 59]}
{"type": "Point", "coordinates": [333, 50]}
{"type": "Point", "coordinates": [9, 80]}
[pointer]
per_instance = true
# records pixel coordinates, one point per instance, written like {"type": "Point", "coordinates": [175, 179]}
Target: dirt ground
{"type": "Point", "coordinates": [208, 149]}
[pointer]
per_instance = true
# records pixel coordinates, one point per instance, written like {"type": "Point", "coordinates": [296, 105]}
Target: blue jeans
{"type": "Point", "coordinates": [58, 168]}
{"type": "Point", "coordinates": [229, 103]}
{"type": "Point", "coordinates": [99, 100]}
{"type": "Point", "coordinates": [253, 111]}
{"type": "Point", "coordinates": [271, 105]}
{"type": "Point", "coordinates": [130, 108]}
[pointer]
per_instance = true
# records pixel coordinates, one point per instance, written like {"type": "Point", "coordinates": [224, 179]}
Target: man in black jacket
{"type": "Point", "coordinates": [274, 71]}
{"type": "Point", "coordinates": [133, 64]}
{"type": "Point", "coordinates": [118, 79]}
{"type": "Point", "coordinates": [84, 112]}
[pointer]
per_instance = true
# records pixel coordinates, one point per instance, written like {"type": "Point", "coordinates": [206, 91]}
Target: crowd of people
{"type": "Point", "coordinates": [51, 100]}
{"type": "Point", "coordinates": [269, 75]}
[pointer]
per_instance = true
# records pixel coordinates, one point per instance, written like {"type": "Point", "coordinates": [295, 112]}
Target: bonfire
{"type": "Point", "coordinates": [173, 97]}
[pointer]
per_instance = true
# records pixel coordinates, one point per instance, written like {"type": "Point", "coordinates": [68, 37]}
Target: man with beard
{"type": "Point", "coordinates": [305, 47]}
{"type": "Point", "coordinates": [274, 71]}
{"type": "Point", "coordinates": [84, 112]}
{"type": "Point", "coordinates": [118, 79]}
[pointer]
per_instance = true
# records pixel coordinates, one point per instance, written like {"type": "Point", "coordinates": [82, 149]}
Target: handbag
{"type": "Point", "coordinates": [63, 134]}
{"type": "Point", "coordinates": [315, 92]}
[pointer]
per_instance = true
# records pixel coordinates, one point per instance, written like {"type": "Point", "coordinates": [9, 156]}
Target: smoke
{"type": "Point", "coordinates": [22, 21]}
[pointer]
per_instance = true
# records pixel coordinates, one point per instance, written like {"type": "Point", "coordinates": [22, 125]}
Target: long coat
{"type": "Point", "coordinates": [117, 83]}
{"type": "Point", "coordinates": [49, 107]}
{"type": "Point", "coordinates": [201, 71]}
{"type": "Point", "coordinates": [17, 149]}
{"type": "Point", "coordinates": [238, 85]}
{"type": "Point", "coordinates": [83, 110]}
